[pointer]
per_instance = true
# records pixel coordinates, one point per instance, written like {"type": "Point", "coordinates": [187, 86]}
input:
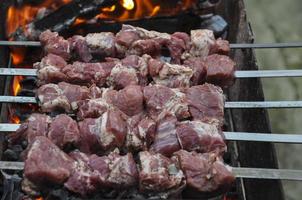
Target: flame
{"type": "Point", "coordinates": [138, 9]}
{"type": "Point", "coordinates": [128, 4]}
{"type": "Point", "coordinates": [109, 9]}
{"type": "Point", "coordinates": [40, 198]}
{"type": "Point", "coordinates": [20, 16]}
{"type": "Point", "coordinates": [16, 85]}
{"type": "Point", "coordinates": [79, 21]}
{"type": "Point", "coordinates": [15, 120]}
{"type": "Point", "coordinates": [123, 10]}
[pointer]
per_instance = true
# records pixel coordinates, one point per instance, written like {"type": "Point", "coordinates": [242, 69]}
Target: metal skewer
{"type": "Point", "coordinates": [231, 136]}
{"type": "Point", "coordinates": [232, 46]}
{"type": "Point", "coordinates": [261, 173]}
{"type": "Point", "coordinates": [239, 172]}
{"type": "Point", "coordinates": [229, 104]}
{"type": "Point", "coordinates": [266, 45]}
{"type": "Point", "coordinates": [238, 74]}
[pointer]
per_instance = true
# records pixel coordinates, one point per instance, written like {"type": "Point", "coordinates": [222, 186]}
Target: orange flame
{"type": "Point", "coordinates": [124, 10]}
{"type": "Point", "coordinates": [128, 4]}
{"type": "Point", "coordinates": [16, 85]}
{"type": "Point", "coordinates": [15, 120]}
{"type": "Point", "coordinates": [137, 9]}
{"type": "Point", "coordinates": [40, 198]}
{"type": "Point", "coordinates": [20, 16]}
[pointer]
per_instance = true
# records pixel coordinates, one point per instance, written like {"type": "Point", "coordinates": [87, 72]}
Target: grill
{"type": "Point", "coordinates": [252, 153]}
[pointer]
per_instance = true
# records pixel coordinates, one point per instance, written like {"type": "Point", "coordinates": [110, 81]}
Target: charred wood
{"type": "Point", "coordinates": [61, 19]}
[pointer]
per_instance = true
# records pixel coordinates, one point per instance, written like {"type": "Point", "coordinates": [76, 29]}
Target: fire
{"type": "Point", "coordinates": [137, 9]}
{"type": "Point", "coordinates": [20, 16]}
{"type": "Point", "coordinates": [128, 4]}
{"type": "Point", "coordinates": [16, 85]}
{"type": "Point", "coordinates": [15, 120]}
{"type": "Point", "coordinates": [124, 10]}
{"type": "Point", "coordinates": [40, 198]}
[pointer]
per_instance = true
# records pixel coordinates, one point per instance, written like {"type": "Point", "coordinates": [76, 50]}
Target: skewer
{"type": "Point", "coordinates": [230, 136]}
{"type": "Point", "coordinates": [238, 74]}
{"type": "Point", "coordinates": [232, 46]}
{"type": "Point", "coordinates": [239, 172]}
{"type": "Point", "coordinates": [229, 104]}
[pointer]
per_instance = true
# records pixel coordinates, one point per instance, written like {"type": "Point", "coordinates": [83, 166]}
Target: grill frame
{"type": "Point", "coordinates": [262, 155]}
{"type": "Point", "coordinates": [245, 154]}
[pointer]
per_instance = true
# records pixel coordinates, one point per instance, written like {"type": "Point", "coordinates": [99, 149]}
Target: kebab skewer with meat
{"type": "Point", "coordinates": [132, 40]}
{"type": "Point", "coordinates": [153, 175]}
{"type": "Point", "coordinates": [115, 73]}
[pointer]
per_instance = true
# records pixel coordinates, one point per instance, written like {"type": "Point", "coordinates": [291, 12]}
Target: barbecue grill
{"type": "Point", "coordinates": [247, 122]}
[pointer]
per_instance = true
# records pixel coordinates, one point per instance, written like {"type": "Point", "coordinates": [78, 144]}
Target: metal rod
{"type": "Point", "coordinates": [232, 46]}
{"type": "Point", "coordinates": [262, 137]}
{"type": "Point", "coordinates": [231, 136]}
{"type": "Point", "coordinates": [229, 104]}
{"type": "Point", "coordinates": [268, 73]}
{"type": "Point", "coordinates": [261, 173]}
{"type": "Point", "coordinates": [238, 74]}
{"type": "Point", "coordinates": [20, 43]}
{"type": "Point", "coordinates": [11, 165]}
{"type": "Point", "coordinates": [255, 173]}
{"type": "Point", "coordinates": [263, 104]}
{"type": "Point", "coordinates": [266, 45]}
{"type": "Point", "coordinates": [16, 71]}
{"type": "Point", "coordinates": [16, 99]}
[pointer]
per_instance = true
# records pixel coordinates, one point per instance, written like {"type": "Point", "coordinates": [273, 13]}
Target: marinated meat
{"type": "Point", "coordinates": [101, 43]}
{"type": "Point", "coordinates": [178, 44]}
{"type": "Point", "coordinates": [201, 42]}
{"type": "Point", "coordinates": [122, 76]}
{"type": "Point", "coordinates": [74, 93]}
{"type": "Point", "coordinates": [173, 76]}
{"type": "Point", "coordinates": [36, 125]}
{"type": "Point", "coordinates": [91, 108]}
{"type": "Point", "coordinates": [148, 46]}
{"type": "Point", "coordinates": [160, 99]}
{"type": "Point", "coordinates": [124, 39]}
{"type": "Point", "coordinates": [123, 171]}
{"type": "Point", "coordinates": [158, 173]}
{"type": "Point", "coordinates": [206, 174]}
{"type": "Point", "coordinates": [201, 137]}
{"type": "Point", "coordinates": [51, 98]}
{"type": "Point", "coordinates": [63, 96]}
{"type": "Point", "coordinates": [101, 166]}
{"type": "Point", "coordinates": [220, 47]}
{"type": "Point", "coordinates": [89, 137]}
{"type": "Point", "coordinates": [88, 73]}
{"type": "Point", "coordinates": [140, 64]}
{"type": "Point", "coordinates": [49, 70]}
{"type": "Point", "coordinates": [63, 131]}
{"type": "Point", "coordinates": [199, 68]}
{"type": "Point", "coordinates": [106, 132]}
{"type": "Point", "coordinates": [83, 179]}
{"type": "Point", "coordinates": [166, 142]}
{"type": "Point", "coordinates": [46, 164]}
{"type": "Point", "coordinates": [221, 70]}
{"type": "Point", "coordinates": [141, 132]}
{"type": "Point", "coordinates": [80, 48]}
{"type": "Point", "coordinates": [55, 44]}
{"type": "Point", "coordinates": [206, 103]}
{"type": "Point", "coordinates": [129, 100]}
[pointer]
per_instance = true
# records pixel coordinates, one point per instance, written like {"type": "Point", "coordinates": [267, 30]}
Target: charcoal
{"type": "Point", "coordinates": [29, 82]}
{"type": "Point", "coordinates": [216, 23]}
{"type": "Point", "coordinates": [10, 155]}
{"type": "Point", "coordinates": [61, 19]}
